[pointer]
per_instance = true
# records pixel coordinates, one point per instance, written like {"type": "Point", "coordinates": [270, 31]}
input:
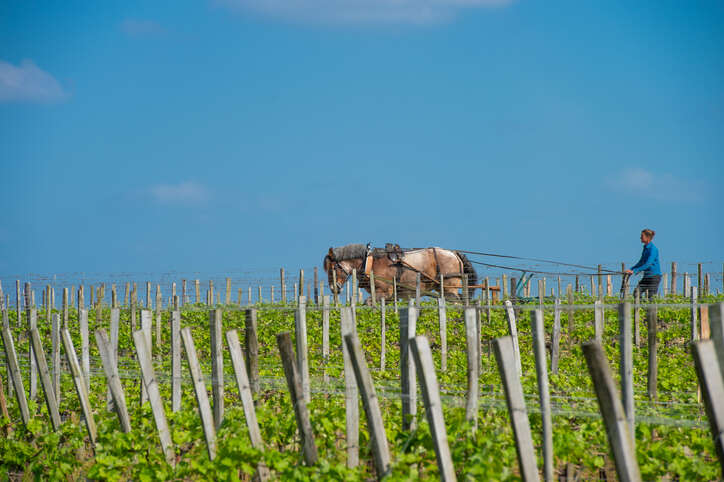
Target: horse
{"type": "Point", "coordinates": [392, 263]}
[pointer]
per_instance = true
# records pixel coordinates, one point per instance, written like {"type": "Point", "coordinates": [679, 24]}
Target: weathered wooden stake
{"type": "Point", "coordinates": [380, 448]}
{"type": "Point", "coordinates": [110, 367]}
{"type": "Point", "coordinates": [512, 327]}
{"type": "Point", "coordinates": [709, 373]}
{"type": "Point", "coordinates": [217, 365]}
{"type": "Point", "coordinates": [422, 355]}
{"type": "Point", "coordinates": [80, 387]}
{"type": "Point", "coordinates": [556, 338]}
{"type": "Point", "coordinates": [471, 343]}
{"type": "Point", "coordinates": [245, 394]}
{"type": "Point", "coordinates": [694, 324]}
{"type": "Point", "coordinates": [617, 428]}
{"type": "Point", "coordinates": [541, 368]}
{"type": "Point", "coordinates": [626, 365]}
{"type": "Point", "coordinates": [408, 322]}
{"type": "Point", "coordinates": [383, 334]}
{"type": "Point", "coordinates": [294, 383]}
{"type": "Point", "coordinates": [55, 347]}
{"type": "Point", "coordinates": [146, 322]}
{"type": "Point", "coordinates": [351, 398]}
{"type": "Point", "coordinates": [175, 361]}
{"type": "Point", "coordinates": [11, 358]}
{"type": "Point", "coordinates": [143, 352]}
{"type": "Point", "coordinates": [325, 336]}
{"type": "Point", "coordinates": [50, 400]}
{"type": "Point", "coordinates": [637, 317]}
{"type": "Point", "coordinates": [442, 320]}
{"type": "Point", "coordinates": [251, 340]}
{"type": "Point", "coordinates": [300, 323]}
{"type": "Point", "coordinates": [598, 321]}
{"type": "Point", "coordinates": [202, 397]}
{"type": "Point", "coordinates": [653, 368]}
{"type": "Point", "coordinates": [505, 355]}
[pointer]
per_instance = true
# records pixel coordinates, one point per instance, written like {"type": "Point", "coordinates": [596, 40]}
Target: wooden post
{"type": "Point", "coordinates": [686, 285]}
{"type": "Point", "coordinates": [513, 329]}
{"type": "Point", "coordinates": [143, 352]}
{"type": "Point", "coordinates": [309, 449]}
{"type": "Point", "coordinates": [55, 355]}
{"type": "Point", "coordinates": [202, 398]}
{"type": "Point", "coordinates": [132, 308]}
{"type": "Point", "coordinates": [417, 289]}
{"type": "Point", "coordinates": [665, 283]}
{"type": "Point", "coordinates": [380, 448]}
{"type": "Point", "coordinates": [598, 321]}
{"type": "Point", "coordinates": [300, 323]}
{"type": "Point", "coordinates": [709, 373]}
{"type": "Point", "coordinates": [653, 367]}
{"type": "Point", "coordinates": [110, 367]}
{"type": "Point", "coordinates": [466, 293]}
{"type": "Point", "coordinates": [609, 285]}
{"type": "Point", "coordinates": [373, 292]}
{"type": "Point", "coordinates": [50, 400]}
{"type": "Point", "coordinates": [175, 361]}
{"type": "Point", "coordinates": [394, 294]}
{"type": "Point", "coordinates": [626, 365]}
{"type": "Point", "coordinates": [271, 295]}
{"type": "Point", "coordinates": [80, 387]}
{"type": "Point", "coordinates": [505, 356]}
{"type": "Point", "coordinates": [503, 283]}
{"type": "Point", "coordinates": [422, 355]}
{"type": "Point", "coordinates": [283, 285]}
{"type": "Point", "coordinates": [249, 302]}
{"type": "Point", "coordinates": [245, 394]}
{"type": "Point", "coordinates": [252, 349]}
{"type": "Point", "coordinates": [184, 296]}
{"type": "Point", "coordinates": [699, 279]}
{"type": "Point", "coordinates": [217, 366]}
{"type": "Point", "coordinates": [158, 305]}
{"type": "Point", "coordinates": [541, 368]}
{"type": "Point", "coordinates": [260, 296]}
{"type": "Point", "coordinates": [442, 320]}
{"type": "Point", "coordinates": [146, 328]}
{"type": "Point", "coordinates": [408, 322]}
{"type": "Point", "coordinates": [694, 324]}
{"type": "Point", "coordinates": [32, 316]}
{"type": "Point", "coordinates": [383, 333]}
{"type": "Point", "coordinates": [351, 398]}
{"type": "Point", "coordinates": [353, 288]}
{"type": "Point", "coordinates": [673, 278]}
{"type": "Point", "coordinates": [637, 317]}
{"type": "Point", "coordinates": [197, 289]}
{"type": "Point", "coordinates": [471, 343]}
{"type": "Point", "coordinates": [556, 338]}
{"type": "Point", "coordinates": [617, 428]}
{"type": "Point", "coordinates": [315, 299]}
{"type": "Point", "coordinates": [569, 299]}
{"type": "Point", "coordinates": [717, 331]}
{"type": "Point", "coordinates": [335, 289]}
{"type": "Point", "coordinates": [11, 358]}
{"type": "Point", "coordinates": [227, 294]}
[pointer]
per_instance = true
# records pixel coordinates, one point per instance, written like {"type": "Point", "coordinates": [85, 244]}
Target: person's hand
{"type": "Point", "coordinates": [629, 271]}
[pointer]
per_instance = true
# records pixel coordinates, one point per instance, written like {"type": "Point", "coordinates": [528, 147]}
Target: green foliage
{"type": "Point", "coordinates": [487, 453]}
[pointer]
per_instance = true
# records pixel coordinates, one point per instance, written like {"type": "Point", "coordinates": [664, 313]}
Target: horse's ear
{"type": "Point", "coordinates": [331, 252]}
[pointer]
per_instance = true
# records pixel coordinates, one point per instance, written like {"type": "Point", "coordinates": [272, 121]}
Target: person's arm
{"type": "Point", "coordinates": [640, 261]}
{"type": "Point", "coordinates": [651, 256]}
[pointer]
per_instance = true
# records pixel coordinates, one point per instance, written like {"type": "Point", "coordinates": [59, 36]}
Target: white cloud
{"type": "Point", "coordinates": [184, 192]}
{"type": "Point", "coordinates": [361, 11]}
{"type": "Point", "coordinates": [658, 186]}
{"type": "Point", "coordinates": [28, 83]}
{"type": "Point", "coordinates": [141, 28]}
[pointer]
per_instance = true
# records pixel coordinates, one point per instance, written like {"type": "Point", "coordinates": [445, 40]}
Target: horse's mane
{"type": "Point", "coordinates": [351, 251]}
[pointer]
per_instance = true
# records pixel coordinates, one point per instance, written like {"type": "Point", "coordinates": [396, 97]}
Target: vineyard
{"type": "Point", "coordinates": [672, 435]}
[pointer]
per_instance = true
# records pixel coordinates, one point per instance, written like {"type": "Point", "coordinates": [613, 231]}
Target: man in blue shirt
{"type": "Point", "coordinates": [649, 264]}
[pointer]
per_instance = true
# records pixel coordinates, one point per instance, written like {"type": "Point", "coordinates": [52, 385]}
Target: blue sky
{"type": "Point", "coordinates": [253, 134]}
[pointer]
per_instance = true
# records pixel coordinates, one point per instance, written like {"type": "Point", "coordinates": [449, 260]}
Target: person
{"type": "Point", "coordinates": [649, 264]}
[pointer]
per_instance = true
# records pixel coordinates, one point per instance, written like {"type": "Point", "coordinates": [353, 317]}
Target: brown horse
{"type": "Point", "coordinates": [391, 263]}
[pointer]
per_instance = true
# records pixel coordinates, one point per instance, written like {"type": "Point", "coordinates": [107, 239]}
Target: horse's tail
{"type": "Point", "coordinates": [469, 270]}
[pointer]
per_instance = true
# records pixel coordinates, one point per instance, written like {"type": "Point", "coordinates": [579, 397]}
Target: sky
{"type": "Point", "coordinates": [235, 135]}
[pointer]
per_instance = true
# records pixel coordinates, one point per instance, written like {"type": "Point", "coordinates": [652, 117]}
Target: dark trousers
{"type": "Point", "coordinates": [649, 286]}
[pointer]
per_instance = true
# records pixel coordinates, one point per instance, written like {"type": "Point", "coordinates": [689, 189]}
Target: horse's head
{"type": "Point", "coordinates": [341, 269]}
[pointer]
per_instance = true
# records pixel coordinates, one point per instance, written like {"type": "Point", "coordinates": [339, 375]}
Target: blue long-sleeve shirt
{"type": "Point", "coordinates": [649, 262]}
